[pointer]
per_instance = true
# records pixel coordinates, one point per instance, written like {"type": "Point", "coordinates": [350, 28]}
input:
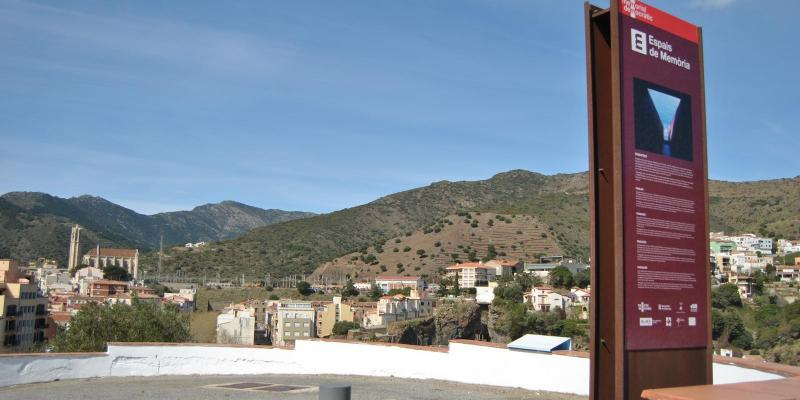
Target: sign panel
{"type": "Point", "coordinates": [664, 177]}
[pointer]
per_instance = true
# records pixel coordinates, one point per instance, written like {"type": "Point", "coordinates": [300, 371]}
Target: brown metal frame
{"type": "Point", "coordinates": [615, 372]}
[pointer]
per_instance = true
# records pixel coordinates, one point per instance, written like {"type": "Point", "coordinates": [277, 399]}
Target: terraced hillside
{"type": "Point", "coordinates": [454, 238]}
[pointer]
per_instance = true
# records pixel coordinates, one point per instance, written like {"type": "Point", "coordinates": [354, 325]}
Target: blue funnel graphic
{"type": "Point", "coordinates": [666, 106]}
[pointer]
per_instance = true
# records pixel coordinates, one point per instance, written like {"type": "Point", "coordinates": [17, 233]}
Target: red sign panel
{"type": "Point", "coordinates": [665, 243]}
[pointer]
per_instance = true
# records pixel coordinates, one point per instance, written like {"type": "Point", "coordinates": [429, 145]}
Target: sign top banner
{"type": "Point", "coordinates": [644, 12]}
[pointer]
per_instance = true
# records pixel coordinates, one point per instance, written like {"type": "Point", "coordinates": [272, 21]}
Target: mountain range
{"type": "Point", "coordinates": [34, 225]}
{"type": "Point", "coordinates": [518, 213]}
{"type": "Point", "coordinates": [548, 214]}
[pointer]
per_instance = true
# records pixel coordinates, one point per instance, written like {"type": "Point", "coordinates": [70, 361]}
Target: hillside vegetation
{"type": "Point", "coordinates": [557, 204]}
{"type": "Point", "coordinates": [36, 225]}
{"type": "Point", "coordinates": [456, 238]}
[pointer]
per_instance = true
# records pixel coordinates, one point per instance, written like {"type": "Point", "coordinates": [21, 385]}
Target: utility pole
{"type": "Point", "coordinates": [160, 253]}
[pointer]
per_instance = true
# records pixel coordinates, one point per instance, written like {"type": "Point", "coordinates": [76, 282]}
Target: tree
{"type": "Point", "coordinates": [758, 278]}
{"type": "Point", "coordinates": [96, 324]}
{"type": "Point", "coordinates": [342, 327]}
{"type": "Point", "coordinates": [448, 286]}
{"type": "Point", "coordinates": [375, 292]}
{"type": "Point", "coordinates": [509, 291]}
{"type": "Point", "coordinates": [582, 278]}
{"type": "Point", "coordinates": [116, 273]}
{"type": "Point", "coordinates": [724, 296]}
{"type": "Point", "coordinates": [560, 277]}
{"type": "Point", "coordinates": [527, 281]}
{"type": "Point", "coordinates": [304, 288]}
{"type": "Point", "coordinates": [728, 328]}
{"type": "Point", "coordinates": [350, 290]}
{"type": "Point", "coordinates": [770, 270]}
{"type": "Point", "coordinates": [491, 253]}
{"type": "Point", "coordinates": [406, 291]}
{"type": "Point", "coordinates": [511, 318]}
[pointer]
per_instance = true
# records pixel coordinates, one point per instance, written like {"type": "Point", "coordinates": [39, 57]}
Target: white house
{"type": "Point", "coordinates": [398, 308]}
{"type": "Point", "coordinates": [544, 298]}
{"type": "Point", "coordinates": [184, 299]}
{"type": "Point", "coordinates": [788, 246]}
{"type": "Point", "coordinates": [389, 282]}
{"type": "Point", "coordinates": [236, 325]}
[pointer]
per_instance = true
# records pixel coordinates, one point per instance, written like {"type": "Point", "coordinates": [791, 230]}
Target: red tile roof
{"type": "Point", "coordinates": [397, 278]}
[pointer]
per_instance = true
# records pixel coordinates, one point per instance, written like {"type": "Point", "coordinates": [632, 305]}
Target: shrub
{"type": "Point", "coordinates": [95, 325]}
{"type": "Point", "coordinates": [342, 327]}
{"type": "Point", "coordinates": [304, 288]}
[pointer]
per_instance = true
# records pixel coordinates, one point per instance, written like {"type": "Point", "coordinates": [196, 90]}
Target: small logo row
{"type": "Point", "coordinates": [645, 307]}
{"type": "Point", "coordinates": [668, 321]}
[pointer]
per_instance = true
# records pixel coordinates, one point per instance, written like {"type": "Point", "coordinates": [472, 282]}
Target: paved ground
{"type": "Point", "coordinates": [208, 387]}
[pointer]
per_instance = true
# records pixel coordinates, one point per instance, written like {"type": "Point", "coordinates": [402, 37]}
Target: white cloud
{"type": "Point", "coordinates": [714, 4]}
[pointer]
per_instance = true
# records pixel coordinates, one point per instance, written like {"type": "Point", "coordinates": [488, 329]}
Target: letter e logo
{"type": "Point", "coordinates": [638, 41]}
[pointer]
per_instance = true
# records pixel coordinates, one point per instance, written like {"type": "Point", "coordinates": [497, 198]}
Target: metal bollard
{"type": "Point", "coordinates": [334, 392]}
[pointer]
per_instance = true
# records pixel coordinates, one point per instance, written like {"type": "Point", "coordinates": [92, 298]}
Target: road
{"type": "Point", "coordinates": [285, 387]}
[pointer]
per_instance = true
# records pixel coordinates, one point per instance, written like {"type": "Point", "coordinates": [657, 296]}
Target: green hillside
{"type": "Point", "coordinates": [558, 202]}
{"type": "Point", "coordinates": [34, 225]}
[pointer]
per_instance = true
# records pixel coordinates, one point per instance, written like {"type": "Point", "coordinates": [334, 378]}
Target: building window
{"type": "Point", "coordinates": [288, 324]}
{"type": "Point", "coordinates": [305, 333]}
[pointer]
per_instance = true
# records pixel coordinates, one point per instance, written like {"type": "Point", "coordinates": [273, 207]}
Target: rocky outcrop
{"type": "Point", "coordinates": [417, 331]}
{"type": "Point", "coordinates": [451, 320]}
{"type": "Point", "coordinates": [457, 320]}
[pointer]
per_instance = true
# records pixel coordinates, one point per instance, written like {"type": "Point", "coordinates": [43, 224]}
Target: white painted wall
{"type": "Point", "coordinates": [463, 363]}
{"type": "Point", "coordinates": [44, 368]}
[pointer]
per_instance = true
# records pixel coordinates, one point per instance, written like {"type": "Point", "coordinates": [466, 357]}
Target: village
{"type": "Point", "coordinates": [37, 300]}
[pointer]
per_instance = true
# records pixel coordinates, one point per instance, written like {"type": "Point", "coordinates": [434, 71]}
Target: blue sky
{"type": "Point", "coordinates": [320, 105]}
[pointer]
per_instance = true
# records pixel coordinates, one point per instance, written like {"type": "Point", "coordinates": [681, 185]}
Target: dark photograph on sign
{"type": "Point", "coordinates": [663, 120]}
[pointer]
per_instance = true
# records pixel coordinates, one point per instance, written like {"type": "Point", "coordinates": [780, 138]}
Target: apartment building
{"type": "Point", "coordinates": [749, 262]}
{"type": "Point", "coordinates": [389, 282]}
{"type": "Point", "coordinates": [398, 308]}
{"type": "Point", "coordinates": [23, 310]}
{"type": "Point", "coordinates": [105, 287]}
{"type": "Point", "coordinates": [294, 320]}
{"type": "Point", "coordinates": [722, 247]}
{"type": "Point", "coordinates": [328, 313]}
{"type": "Point", "coordinates": [747, 241]}
{"type": "Point", "coordinates": [471, 274]}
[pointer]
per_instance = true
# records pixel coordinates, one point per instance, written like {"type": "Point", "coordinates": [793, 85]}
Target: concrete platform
{"type": "Point", "coordinates": [245, 387]}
